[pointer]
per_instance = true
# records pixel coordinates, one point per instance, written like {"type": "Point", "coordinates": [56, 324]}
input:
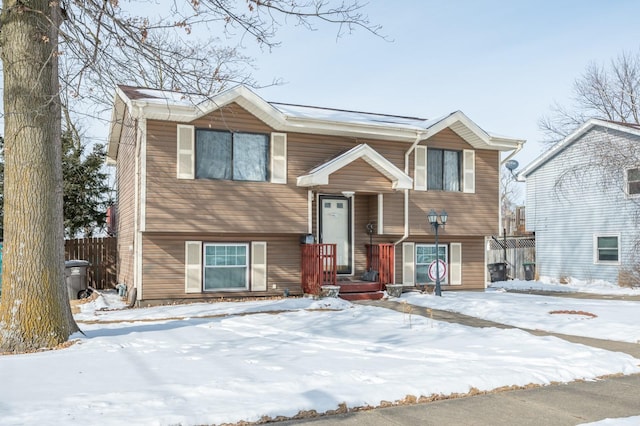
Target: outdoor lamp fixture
{"type": "Point", "coordinates": [433, 220]}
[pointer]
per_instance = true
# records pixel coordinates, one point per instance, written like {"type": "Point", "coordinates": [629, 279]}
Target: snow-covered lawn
{"type": "Point", "coordinates": [613, 320]}
{"type": "Point", "coordinates": [226, 362]}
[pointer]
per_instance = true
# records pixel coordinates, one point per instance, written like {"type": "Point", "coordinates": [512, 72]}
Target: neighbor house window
{"type": "Point", "coordinates": [425, 254]}
{"type": "Point", "coordinates": [226, 267]}
{"type": "Point", "coordinates": [443, 169]}
{"type": "Point", "coordinates": [633, 181]}
{"type": "Point", "coordinates": [607, 249]}
{"type": "Point", "coordinates": [232, 155]}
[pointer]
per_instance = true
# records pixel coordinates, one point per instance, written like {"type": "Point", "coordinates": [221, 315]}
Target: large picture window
{"type": "Point", "coordinates": [607, 249]}
{"type": "Point", "coordinates": [425, 254]}
{"type": "Point", "coordinates": [226, 267]}
{"type": "Point", "coordinates": [232, 156]}
{"type": "Point", "coordinates": [443, 170]}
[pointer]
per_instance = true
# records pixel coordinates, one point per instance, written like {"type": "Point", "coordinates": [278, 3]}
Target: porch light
{"type": "Point", "coordinates": [433, 220]}
{"type": "Point", "coordinates": [348, 194]}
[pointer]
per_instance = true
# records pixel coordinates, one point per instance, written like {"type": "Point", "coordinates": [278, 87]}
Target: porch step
{"type": "Point", "coordinates": [358, 286]}
{"type": "Point", "coordinates": [370, 295]}
{"type": "Point", "coordinates": [359, 290]}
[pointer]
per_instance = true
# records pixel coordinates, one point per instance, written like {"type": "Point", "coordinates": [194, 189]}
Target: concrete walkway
{"type": "Point", "coordinates": [564, 404]}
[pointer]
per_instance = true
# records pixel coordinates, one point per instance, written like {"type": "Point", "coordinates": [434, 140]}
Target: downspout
{"type": "Point", "coordinates": [420, 136]}
{"type": "Point", "coordinates": [510, 156]}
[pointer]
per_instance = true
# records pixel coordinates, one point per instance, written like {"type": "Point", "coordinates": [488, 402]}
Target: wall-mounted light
{"type": "Point", "coordinates": [348, 194]}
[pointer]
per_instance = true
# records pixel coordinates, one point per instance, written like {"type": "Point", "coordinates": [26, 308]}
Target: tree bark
{"type": "Point", "coordinates": [34, 309]}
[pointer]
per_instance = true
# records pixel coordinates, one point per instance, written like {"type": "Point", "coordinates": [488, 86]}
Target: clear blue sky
{"type": "Point", "coordinates": [503, 63]}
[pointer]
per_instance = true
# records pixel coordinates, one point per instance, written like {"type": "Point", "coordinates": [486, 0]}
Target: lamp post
{"type": "Point", "coordinates": [433, 220]}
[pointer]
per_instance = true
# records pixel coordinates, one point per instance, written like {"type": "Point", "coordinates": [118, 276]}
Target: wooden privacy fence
{"type": "Point", "coordinates": [318, 267]}
{"type": "Point", "coordinates": [102, 255]}
{"type": "Point", "coordinates": [518, 250]}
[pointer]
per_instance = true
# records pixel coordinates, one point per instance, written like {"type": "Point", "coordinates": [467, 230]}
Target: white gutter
{"type": "Point", "coordinates": [420, 136]}
{"type": "Point", "coordinates": [515, 151]}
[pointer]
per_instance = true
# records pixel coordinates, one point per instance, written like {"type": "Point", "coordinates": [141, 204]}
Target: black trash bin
{"type": "Point", "coordinates": [529, 270]}
{"type": "Point", "coordinates": [75, 273]}
{"type": "Point", "coordinates": [498, 271]}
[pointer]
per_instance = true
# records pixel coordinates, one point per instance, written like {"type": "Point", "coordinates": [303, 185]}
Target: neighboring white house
{"type": "Point", "coordinates": [583, 200]}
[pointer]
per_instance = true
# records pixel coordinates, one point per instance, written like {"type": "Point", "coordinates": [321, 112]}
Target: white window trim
{"type": "Point", "coordinates": [445, 280]}
{"type": "Point", "coordinates": [626, 182]}
{"type": "Point", "coordinates": [247, 266]}
{"type": "Point", "coordinates": [596, 261]}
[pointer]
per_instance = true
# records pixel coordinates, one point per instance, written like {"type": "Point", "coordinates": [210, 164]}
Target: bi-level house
{"type": "Point", "coordinates": [234, 196]}
{"type": "Point", "coordinates": [583, 201]}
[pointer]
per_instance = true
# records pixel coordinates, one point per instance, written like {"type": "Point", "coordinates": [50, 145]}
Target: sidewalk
{"type": "Point", "coordinates": [563, 404]}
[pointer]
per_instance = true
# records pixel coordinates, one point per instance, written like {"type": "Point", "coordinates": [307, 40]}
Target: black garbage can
{"type": "Point", "coordinates": [75, 273]}
{"type": "Point", "coordinates": [498, 271]}
{"type": "Point", "coordinates": [529, 270]}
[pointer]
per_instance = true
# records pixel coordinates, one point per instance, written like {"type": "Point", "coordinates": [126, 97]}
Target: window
{"type": "Point", "coordinates": [443, 170]}
{"type": "Point", "coordinates": [232, 156]}
{"type": "Point", "coordinates": [226, 267]}
{"type": "Point", "coordinates": [633, 181]}
{"type": "Point", "coordinates": [425, 254]}
{"type": "Point", "coordinates": [606, 249]}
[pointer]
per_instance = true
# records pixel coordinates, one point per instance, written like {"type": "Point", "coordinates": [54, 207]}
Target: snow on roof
{"type": "Point", "coordinates": [355, 117]}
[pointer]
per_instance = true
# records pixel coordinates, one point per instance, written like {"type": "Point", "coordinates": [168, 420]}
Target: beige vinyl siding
{"type": "Point", "coordinates": [358, 175]}
{"type": "Point", "coordinates": [393, 211]}
{"type": "Point", "coordinates": [163, 265]}
{"type": "Point", "coordinates": [125, 215]}
{"type": "Point", "coordinates": [469, 213]}
{"type": "Point", "coordinates": [472, 263]}
{"type": "Point", "coordinates": [205, 205]}
{"type": "Point", "coordinates": [202, 205]}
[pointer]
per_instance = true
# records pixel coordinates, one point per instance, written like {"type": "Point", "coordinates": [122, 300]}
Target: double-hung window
{"type": "Point", "coordinates": [444, 169]}
{"type": "Point", "coordinates": [606, 249]}
{"type": "Point", "coordinates": [425, 254]}
{"type": "Point", "coordinates": [232, 155]}
{"type": "Point", "coordinates": [226, 266]}
{"type": "Point", "coordinates": [633, 181]}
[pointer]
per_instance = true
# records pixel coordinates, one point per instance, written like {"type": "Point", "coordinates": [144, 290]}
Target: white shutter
{"type": "Point", "coordinates": [193, 266]}
{"type": "Point", "coordinates": [259, 266]}
{"type": "Point", "coordinates": [420, 168]}
{"type": "Point", "coordinates": [455, 263]}
{"type": "Point", "coordinates": [408, 263]}
{"type": "Point", "coordinates": [186, 152]}
{"type": "Point", "coordinates": [279, 158]}
{"type": "Point", "coordinates": [469, 168]}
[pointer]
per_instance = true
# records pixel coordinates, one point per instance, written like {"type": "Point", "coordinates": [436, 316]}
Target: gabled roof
{"type": "Point", "coordinates": [173, 106]}
{"type": "Point", "coordinates": [629, 128]}
{"type": "Point", "coordinates": [320, 175]}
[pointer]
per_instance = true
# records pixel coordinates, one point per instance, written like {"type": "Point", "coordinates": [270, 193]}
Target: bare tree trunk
{"type": "Point", "coordinates": [34, 309]}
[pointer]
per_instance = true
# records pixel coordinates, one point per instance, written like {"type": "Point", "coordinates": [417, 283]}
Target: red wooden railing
{"type": "Point", "coordinates": [318, 267]}
{"type": "Point", "coordinates": [380, 257]}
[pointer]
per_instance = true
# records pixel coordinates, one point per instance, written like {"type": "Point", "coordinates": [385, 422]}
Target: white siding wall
{"type": "Point", "coordinates": [565, 219]}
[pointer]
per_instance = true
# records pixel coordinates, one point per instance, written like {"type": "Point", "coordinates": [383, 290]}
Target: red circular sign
{"type": "Point", "coordinates": [442, 269]}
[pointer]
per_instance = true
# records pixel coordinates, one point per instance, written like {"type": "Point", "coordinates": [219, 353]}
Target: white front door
{"type": "Point", "coordinates": [335, 228]}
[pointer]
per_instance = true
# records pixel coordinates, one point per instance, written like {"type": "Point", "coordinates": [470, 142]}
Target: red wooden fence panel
{"type": "Point", "coordinates": [101, 253]}
{"type": "Point", "coordinates": [381, 258]}
{"type": "Point", "coordinates": [318, 267]}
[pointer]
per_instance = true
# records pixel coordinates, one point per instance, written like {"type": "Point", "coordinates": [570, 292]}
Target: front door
{"type": "Point", "coordinates": [335, 228]}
